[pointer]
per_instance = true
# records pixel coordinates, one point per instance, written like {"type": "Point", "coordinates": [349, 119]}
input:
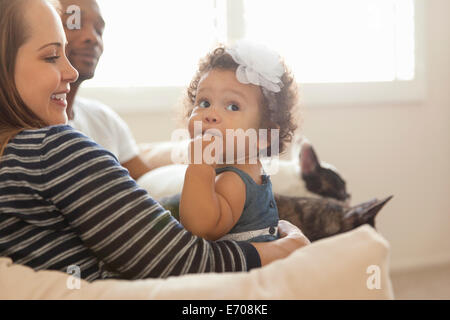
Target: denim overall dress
{"type": "Point", "coordinates": [259, 219]}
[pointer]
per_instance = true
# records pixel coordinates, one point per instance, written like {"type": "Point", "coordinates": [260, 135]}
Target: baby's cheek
{"type": "Point", "coordinates": [191, 126]}
{"type": "Point", "coordinates": [191, 130]}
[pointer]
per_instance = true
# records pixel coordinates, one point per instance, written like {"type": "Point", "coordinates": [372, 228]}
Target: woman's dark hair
{"type": "Point", "coordinates": [15, 116]}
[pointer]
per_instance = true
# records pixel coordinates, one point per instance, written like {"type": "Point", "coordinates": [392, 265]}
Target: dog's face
{"type": "Point", "coordinates": [320, 179]}
{"type": "Point", "coordinates": [327, 183]}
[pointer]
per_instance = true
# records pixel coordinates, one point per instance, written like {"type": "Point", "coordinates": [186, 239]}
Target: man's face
{"type": "Point", "coordinates": [86, 44]}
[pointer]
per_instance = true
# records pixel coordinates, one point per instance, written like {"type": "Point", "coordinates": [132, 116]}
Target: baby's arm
{"type": "Point", "coordinates": [210, 207]}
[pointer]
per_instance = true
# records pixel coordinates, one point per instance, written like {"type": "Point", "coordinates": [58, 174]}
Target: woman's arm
{"type": "Point", "coordinates": [120, 222]}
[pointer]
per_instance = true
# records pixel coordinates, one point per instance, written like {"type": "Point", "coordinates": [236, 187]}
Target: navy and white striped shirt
{"type": "Point", "coordinates": [66, 201]}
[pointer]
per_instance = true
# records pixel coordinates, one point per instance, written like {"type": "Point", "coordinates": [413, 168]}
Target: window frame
{"type": "Point", "coordinates": [163, 99]}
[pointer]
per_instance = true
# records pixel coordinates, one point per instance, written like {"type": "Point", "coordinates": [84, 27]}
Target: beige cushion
{"type": "Point", "coordinates": [333, 268]}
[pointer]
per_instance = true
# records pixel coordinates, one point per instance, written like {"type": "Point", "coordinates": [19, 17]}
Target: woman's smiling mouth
{"type": "Point", "coordinates": [60, 99]}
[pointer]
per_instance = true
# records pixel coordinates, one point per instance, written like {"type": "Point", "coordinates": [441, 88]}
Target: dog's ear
{"type": "Point", "coordinates": [309, 162]}
{"type": "Point", "coordinates": [363, 213]}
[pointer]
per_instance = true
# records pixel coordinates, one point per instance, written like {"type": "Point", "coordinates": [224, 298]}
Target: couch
{"type": "Point", "coordinates": [351, 265]}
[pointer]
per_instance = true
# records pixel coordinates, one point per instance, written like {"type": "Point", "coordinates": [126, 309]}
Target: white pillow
{"type": "Point", "coordinates": [332, 268]}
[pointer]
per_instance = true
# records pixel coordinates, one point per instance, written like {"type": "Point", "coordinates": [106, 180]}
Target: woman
{"type": "Point", "coordinates": [66, 201]}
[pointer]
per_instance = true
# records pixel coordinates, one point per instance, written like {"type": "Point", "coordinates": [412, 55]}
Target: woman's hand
{"type": "Point", "coordinates": [291, 239]}
{"type": "Point", "coordinates": [288, 230]}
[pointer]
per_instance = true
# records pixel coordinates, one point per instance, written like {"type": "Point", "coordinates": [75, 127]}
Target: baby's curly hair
{"type": "Point", "coordinates": [279, 110]}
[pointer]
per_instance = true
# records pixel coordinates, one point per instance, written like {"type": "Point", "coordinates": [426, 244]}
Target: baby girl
{"type": "Point", "coordinates": [239, 93]}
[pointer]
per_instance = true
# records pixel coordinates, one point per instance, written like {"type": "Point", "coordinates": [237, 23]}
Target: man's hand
{"type": "Point", "coordinates": [137, 167]}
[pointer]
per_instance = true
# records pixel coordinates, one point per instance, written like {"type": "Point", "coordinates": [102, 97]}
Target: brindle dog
{"type": "Point", "coordinates": [317, 217]}
{"type": "Point", "coordinates": [320, 218]}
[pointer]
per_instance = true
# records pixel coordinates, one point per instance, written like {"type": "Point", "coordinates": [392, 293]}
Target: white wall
{"type": "Point", "coordinates": [381, 150]}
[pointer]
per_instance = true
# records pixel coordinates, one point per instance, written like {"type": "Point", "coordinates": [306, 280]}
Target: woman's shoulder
{"type": "Point", "coordinates": [34, 138]}
{"type": "Point", "coordinates": [51, 144]}
{"type": "Point", "coordinates": [53, 139]}
{"type": "Point", "coordinates": [46, 132]}
{"type": "Point", "coordinates": [54, 142]}
{"type": "Point", "coordinates": [39, 138]}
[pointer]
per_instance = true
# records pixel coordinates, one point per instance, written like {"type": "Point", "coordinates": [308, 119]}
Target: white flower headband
{"type": "Point", "coordinates": [257, 65]}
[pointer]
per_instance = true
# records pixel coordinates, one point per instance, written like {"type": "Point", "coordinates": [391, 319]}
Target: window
{"type": "Point", "coordinates": [154, 43]}
{"type": "Point", "coordinates": [342, 52]}
{"type": "Point", "coordinates": [338, 41]}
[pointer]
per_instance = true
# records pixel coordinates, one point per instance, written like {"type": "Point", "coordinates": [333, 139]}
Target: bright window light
{"type": "Point", "coordinates": [337, 41]}
{"type": "Point", "coordinates": [153, 43]}
{"type": "Point", "coordinates": [159, 43]}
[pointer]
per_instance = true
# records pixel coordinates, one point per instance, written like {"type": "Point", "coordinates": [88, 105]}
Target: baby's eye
{"type": "Point", "coordinates": [204, 104]}
{"type": "Point", "coordinates": [233, 107]}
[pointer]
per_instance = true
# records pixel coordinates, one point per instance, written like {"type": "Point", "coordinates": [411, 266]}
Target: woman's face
{"type": "Point", "coordinates": [42, 72]}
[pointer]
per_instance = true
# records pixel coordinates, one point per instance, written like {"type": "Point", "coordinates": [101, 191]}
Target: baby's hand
{"type": "Point", "coordinates": [206, 149]}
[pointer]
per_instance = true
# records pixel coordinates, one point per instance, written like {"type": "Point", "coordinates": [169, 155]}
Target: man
{"type": "Point", "coordinates": [96, 120]}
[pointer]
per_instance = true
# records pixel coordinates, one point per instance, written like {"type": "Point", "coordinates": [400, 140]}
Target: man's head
{"type": "Point", "coordinates": [86, 44]}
